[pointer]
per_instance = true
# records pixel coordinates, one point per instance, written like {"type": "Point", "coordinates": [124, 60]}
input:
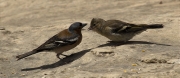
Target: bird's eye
{"type": "Point", "coordinates": [94, 24]}
{"type": "Point", "coordinates": [80, 24]}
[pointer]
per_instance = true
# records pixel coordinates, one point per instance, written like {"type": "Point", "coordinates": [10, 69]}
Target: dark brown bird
{"type": "Point", "coordinates": [63, 41]}
{"type": "Point", "coordinates": [117, 30]}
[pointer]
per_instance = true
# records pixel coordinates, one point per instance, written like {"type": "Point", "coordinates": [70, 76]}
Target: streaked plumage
{"type": "Point", "coordinates": [117, 30]}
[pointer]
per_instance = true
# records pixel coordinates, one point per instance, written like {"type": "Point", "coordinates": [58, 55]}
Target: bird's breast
{"type": "Point", "coordinates": [122, 37]}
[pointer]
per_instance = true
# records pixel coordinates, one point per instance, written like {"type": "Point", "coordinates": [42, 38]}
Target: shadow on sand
{"type": "Point", "coordinates": [78, 55]}
{"type": "Point", "coordinates": [61, 62]}
{"type": "Point", "coordinates": [112, 43]}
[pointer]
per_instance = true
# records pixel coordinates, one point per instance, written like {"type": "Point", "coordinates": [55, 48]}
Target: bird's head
{"type": "Point", "coordinates": [77, 26]}
{"type": "Point", "coordinates": [96, 22]}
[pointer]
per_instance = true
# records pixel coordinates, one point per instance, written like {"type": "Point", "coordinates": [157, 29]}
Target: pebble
{"type": "Point", "coordinates": [102, 52]}
{"type": "Point", "coordinates": [2, 28]}
{"type": "Point", "coordinates": [134, 64]}
{"type": "Point", "coordinates": [160, 2]}
{"type": "Point", "coordinates": [174, 61]}
{"type": "Point", "coordinates": [23, 74]}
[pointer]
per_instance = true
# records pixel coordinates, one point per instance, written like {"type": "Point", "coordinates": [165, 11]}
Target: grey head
{"type": "Point", "coordinates": [76, 26]}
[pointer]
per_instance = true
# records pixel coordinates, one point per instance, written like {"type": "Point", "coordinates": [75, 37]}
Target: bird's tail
{"type": "Point", "coordinates": [26, 54]}
{"type": "Point", "coordinates": [152, 26]}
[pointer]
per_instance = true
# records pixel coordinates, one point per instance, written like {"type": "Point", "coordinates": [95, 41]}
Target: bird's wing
{"type": "Point", "coordinates": [117, 27]}
{"type": "Point", "coordinates": [55, 42]}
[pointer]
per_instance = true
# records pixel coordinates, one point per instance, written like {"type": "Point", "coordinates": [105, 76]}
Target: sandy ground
{"type": "Point", "coordinates": [25, 24]}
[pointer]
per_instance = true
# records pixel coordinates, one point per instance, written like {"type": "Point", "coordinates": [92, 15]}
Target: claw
{"type": "Point", "coordinates": [58, 56]}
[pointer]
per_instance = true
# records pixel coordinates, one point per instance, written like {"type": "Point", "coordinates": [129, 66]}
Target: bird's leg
{"type": "Point", "coordinates": [57, 55]}
{"type": "Point", "coordinates": [60, 54]}
{"type": "Point", "coordinates": [64, 55]}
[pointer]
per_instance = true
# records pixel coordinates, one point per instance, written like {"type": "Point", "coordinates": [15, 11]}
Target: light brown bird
{"type": "Point", "coordinates": [63, 41]}
{"type": "Point", "coordinates": [117, 30]}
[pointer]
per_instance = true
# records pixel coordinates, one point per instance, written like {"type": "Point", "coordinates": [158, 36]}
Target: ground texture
{"type": "Point", "coordinates": [25, 24]}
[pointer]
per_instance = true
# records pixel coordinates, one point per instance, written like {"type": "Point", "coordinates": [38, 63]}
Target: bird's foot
{"type": "Point", "coordinates": [58, 56]}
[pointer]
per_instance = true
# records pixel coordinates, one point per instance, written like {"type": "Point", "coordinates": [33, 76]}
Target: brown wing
{"type": "Point", "coordinates": [59, 40]}
{"type": "Point", "coordinates": [123, 27]}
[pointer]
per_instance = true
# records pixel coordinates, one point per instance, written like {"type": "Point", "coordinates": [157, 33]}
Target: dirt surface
{"type": "Point", "coordinates": [25, 24]}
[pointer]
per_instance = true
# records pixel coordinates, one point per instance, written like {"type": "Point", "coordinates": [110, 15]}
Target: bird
{"type": "Point", "coordinates": [63, 41]}
{"type": "Point", "coordinates": [119, 31]}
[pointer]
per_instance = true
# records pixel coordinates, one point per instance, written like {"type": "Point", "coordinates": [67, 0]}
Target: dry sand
{"type": "Point", "coordinates": [25, 24]}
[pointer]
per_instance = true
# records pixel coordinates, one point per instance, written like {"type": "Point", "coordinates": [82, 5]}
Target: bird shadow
{"type": "Point", "coordinates": [112, 43]}
{"type": "Point", "coordinates": [64, 61]}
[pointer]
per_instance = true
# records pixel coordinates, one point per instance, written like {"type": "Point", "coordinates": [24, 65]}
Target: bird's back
{"type": "Point", "coordinates": [117, 30]}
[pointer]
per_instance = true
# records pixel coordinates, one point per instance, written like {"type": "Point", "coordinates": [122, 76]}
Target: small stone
{"type": "Point", "coordinates": [102, 52]}
{"type": "Point", "coordinates": [160, 2]}
{"type": "Point", "coordinates": [125, 71]}
{"type": "Point", "coordinates": [43, 77]}
{"type": "Point", "coordinates": [133, 70]}
{"type": "Point", "coordinates": [134, 64]}
{"type": "Point", "coordinates": [174, 61]}
{"type": "Point", "coordinates": [23, 74]}
{"type": "Point", "coordinates": [143, 50]}
{"type": "Point", "coordinates": [2, 28]}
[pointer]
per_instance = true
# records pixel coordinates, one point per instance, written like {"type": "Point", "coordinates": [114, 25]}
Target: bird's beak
{"type": "Point", "coordinates": [84, 24]}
